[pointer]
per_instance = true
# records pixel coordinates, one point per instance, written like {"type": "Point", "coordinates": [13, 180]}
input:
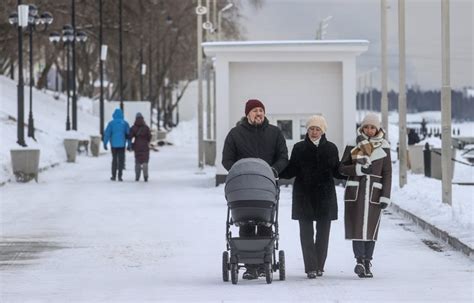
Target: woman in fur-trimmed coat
{"type": "Point", "coordinates": [368, 166]}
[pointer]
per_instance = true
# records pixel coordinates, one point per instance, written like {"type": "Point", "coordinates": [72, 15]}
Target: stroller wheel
{"type": "Point", "coordinates": [234, 273]}
{"type": "Point", "coordinates": [225, 266]}
{"type": "Point", "coordinates": [281, 265]}
{"type": "Point", "coordinates": [268, 273]}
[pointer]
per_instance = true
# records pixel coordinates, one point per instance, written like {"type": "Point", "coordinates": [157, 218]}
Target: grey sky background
{"type": "Point", "coordinates": [360, 19]}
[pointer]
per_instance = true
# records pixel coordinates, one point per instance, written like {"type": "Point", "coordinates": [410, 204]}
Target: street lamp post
{"type": "Point", "coordinates": [142, 71]}
{"type": "Point", "coordinates": [73, 45]}
{"type": "Point", "coordinates": [384, 98]}
{"type": "Point", "coordinates": [200, 10]}
{"type": "Point", "coordinates": [446, 106]}
{"type": "Point", "coordinates": [219, 20]}
{"type": "Point", "coordinates": [402, 101]}
{"type": "Point", "coordinates": [101, 72]}
{"type": "Point", "coordinates": [120, 56]}
{"type": "Point", "coordinates": [20, 19]}
{"type": "Point", "coordinates": [33, 19]}
{"type": "Point", "coordinates": [68, 39]}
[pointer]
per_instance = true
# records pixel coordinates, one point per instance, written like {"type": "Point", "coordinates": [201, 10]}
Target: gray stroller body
{"type": "Point", "coordinates": [252, 195]}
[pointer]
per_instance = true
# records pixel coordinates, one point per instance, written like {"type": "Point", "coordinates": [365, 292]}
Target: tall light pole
{"type": "Point", "coordinates": [200, 10]}
{"type": "Point", "coordinates": [20, 19]}
{"type": "Point", "coordinates": [150, 63]}
{"type": "Point", "coordinates": [73, 45]}
{"type": "Point", "coordinates": [68, 37]}
{"type": "Point", "coordinates": [102, 57]}
{"type": "Point", "coordinates": [142, 71]}
{"type": "Point", "coordinates": [120, 56]}
{"type": "Point", "coordinates": [402, 101]}
{"type": "Point", "coordinates": [219, 20]}
{"type": "Point", "coordinates": [384, 99]}
{"type": "Point", "coordinates": [33, 19]}
{"type": "Point", "coordinates": [446, 105]}
{"type": "Point", "coordinates": [208, 26]}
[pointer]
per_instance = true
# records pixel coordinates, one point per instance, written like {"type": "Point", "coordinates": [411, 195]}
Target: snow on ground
{"type": "Point", "coordinates": [79, 237]}
{"type": "Point", "coordinates": [50, 123]}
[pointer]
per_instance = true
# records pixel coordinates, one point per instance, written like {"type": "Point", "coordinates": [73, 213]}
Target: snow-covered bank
{"type": "Point", "coordinates": [50, 122]}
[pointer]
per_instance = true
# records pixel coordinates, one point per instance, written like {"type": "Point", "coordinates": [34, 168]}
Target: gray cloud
{"type": "Point", "coordinates": [298, 20]}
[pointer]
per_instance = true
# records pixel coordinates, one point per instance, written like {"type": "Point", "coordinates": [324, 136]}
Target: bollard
{"type": "Point", "coordinates": [427, 160]}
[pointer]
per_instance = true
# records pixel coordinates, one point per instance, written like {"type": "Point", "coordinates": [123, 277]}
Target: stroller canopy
{"type": "Point", "coordinates": [250, 179]}
{"type": "Point", "coordinates": [251, 191]}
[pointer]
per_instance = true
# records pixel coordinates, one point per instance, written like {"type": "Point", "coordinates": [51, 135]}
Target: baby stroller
{"type": "Point", "coordinates": [252, 195]}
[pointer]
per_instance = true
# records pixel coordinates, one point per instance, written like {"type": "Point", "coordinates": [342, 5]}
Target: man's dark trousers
{"type": "Point", "coordinates": [118, 161]}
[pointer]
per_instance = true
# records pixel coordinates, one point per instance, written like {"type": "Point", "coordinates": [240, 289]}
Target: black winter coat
{"type": "Point", "coordinates": [315, 167]}
{"type": "Point", "coordinates": [265, 141]}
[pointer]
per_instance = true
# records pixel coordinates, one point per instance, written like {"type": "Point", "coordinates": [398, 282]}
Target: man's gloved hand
{"type": "Point", "coordinates": [105, 146]}
{"type": "Point", "coordinates": [367, 170]}
{"type": "Point", "coordinates": [275, 173]}
{"type": "Point", "coordinates": [383, 205]}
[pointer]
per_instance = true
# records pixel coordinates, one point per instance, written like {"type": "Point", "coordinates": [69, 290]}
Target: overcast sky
{"type": "Point", "coordinates": [360, 19]}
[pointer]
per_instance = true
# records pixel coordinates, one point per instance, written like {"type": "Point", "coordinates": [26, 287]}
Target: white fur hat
{"type": "Point", "coordinates": [371, 119]}
{"type": "Point", "coordinates": [317, 120]}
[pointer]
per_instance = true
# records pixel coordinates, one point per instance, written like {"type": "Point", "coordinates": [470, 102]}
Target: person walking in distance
{"type": "Point", "coordinates": [255, 137]}
{"type": "Point", "coordinates": [314, 163]}
{"type": "Point", "coordinates": [116, 132]}
{"type": "Point", "coordinates": [140, 135]}
{"type": "Point", "coordinates": [368, 167]}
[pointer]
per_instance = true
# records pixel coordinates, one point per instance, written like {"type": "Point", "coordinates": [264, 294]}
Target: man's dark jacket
{"type": "Point", "coordinates": [315, 167]}
{"type": "Point", "coordinates": [265, 141]}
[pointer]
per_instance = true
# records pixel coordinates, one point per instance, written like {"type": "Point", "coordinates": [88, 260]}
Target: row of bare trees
{"type": "Point", "coordinates": [170, 47]}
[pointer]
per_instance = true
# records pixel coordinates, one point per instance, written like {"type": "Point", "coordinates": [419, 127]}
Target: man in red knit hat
{"type": "Point", "coordinates": [255, 137]}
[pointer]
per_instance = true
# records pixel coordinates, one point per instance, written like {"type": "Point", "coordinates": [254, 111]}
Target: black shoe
{"type": "Point", "coordinates": [319, 272]}
{"type": "Point", "coordinates": [312, 274]}
{"type": "Point", "coordinates": [137, 179]}
{"type": "Point", "coordinates": [359, 269]}
{"type": "Point", "coordinates": [120, 179]}
{"type": "Point", "coordinates": [250, 274]}
{"type": "Point", "coordinates": [146, 179]}
{"type": "Point", "coordinates": [367, 265]}
{"type": "Point", "coordinates": [112, 178]}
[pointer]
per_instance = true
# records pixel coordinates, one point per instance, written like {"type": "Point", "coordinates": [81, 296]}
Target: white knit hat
{"type": "Point", "coordinates": [319, 121]}
{"type": "Point", "coordinates": [371, 119]}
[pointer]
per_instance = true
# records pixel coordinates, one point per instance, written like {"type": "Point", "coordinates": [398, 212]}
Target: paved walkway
{"type": "Point", "coordinates": [78, 237]}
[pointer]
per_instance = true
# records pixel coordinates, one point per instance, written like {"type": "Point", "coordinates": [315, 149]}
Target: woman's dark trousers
{"type": "Point", "coordinates": [314, 251]}
{"type": "Point", "coordinates": [118, 161]}
{"type": "Point", "coordinates": [363, 249]}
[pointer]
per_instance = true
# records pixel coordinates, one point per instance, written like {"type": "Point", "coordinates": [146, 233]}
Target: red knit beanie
{"type": "Point", "coordinates": [251, 104]}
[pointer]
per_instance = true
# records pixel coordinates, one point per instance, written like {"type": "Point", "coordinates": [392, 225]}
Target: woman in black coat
{"type": "Point", "coordinates": [314, 162]}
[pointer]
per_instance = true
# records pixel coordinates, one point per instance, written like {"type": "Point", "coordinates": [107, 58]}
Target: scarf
{"type": "Point", "coordinates": [361, 153]}
{"type": "Point", "coordinates": [316, 142]}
